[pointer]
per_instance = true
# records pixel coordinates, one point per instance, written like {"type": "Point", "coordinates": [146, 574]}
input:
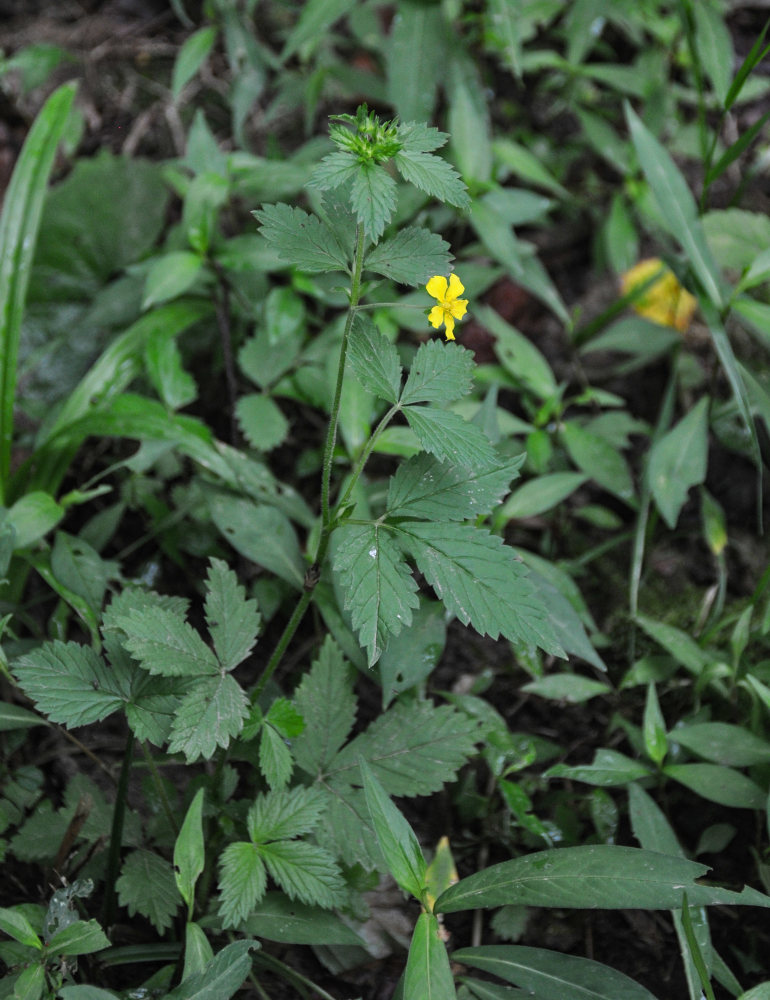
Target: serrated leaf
{"type": "Point", "coordinates": [326, 701]}
{"type": "Point", "coordinates": [304, 871]}
{"type": "Point", "coordinates": [449, 437]}
{"type": "Point", "coordinates": [221, 978]}
{"type": "Point", "coordinates": [334, 170]}
{"type": "Point", "coordinates": [380, 591]}
{"type": "Point", "coordinates": [303, 240]}
{"type": "Point", "coordinates": [69, 683]}
{"type": "Point", "coordinates": [428, 975]}
{"type": "Point", "coordinates": [410, 257]}
{"type": "Point", "coordinates": [164, 643]}
{"type": "Point", "coordinates": [261, 420]}
{"type": "Point", "coordinates": [425, 488]}
{"type": "Point", "coordinates": [210, 716]}
{"type": "Point", "coordinates": [412, 749]}
{"type": "Point", "coordinates": [398, 843]}
{"type": "Point", "coordinates": [480, 580]}
{"type": "Point", "coordinates": [233, 621]}
{"type": "Point", "coordinates": [147, 886]}
{"type": "Point", "coordinates": [440, 373]}
{"type": "Point", "coordinates": [433, 175]}
{"type": "Point", "coordinates": [242, 882]}
{"type": "Point", "coordinates": [280, 815]}
{"type": "Point", "coordinates": [374, 360]}
{"type": "Point", "coordinates": [275, 760]}
{"type": "Point", "coordinates": [678, 462]}
{"type": "Point", "coordinates": [373, 197]}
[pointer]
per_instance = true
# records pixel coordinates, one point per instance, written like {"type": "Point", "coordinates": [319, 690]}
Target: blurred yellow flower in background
{"type": "Point", "coordinates": [664, 301]}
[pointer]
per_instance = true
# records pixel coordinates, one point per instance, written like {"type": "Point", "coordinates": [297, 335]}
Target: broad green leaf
{"type": "Point", "coordinates": [275, 346]}
{"type": "Point", "coordinates": [654, 728]}
{"type": "Point", "coordinates": [522, 161]}
{"type": "Point", "coordinates": [209, 717]}
{"type": "Point", "coordinates": [81, 569]}
{"type": "Point", "coordinates": [69, 683]}
{"type": "Point", "coordinates": [480, 580]}
{"type": "Point", "coordinates": [191, 57]}
{"type": "Point", "coordinates": [497, 236]}
{"type": "Point", "coordinates": [603, 876]}
{"type": "Point", "coordinates": [719, 784]}
{"type": "Point", "coordinates": [428, 975]}
{"type": "Point", "coordinates": [83, 937]}
{"type": "Point", "coordinates": [440, 373]}
{"type": "Point", "coordinates": [242, 882]}
{"type": "Point", "coordinates": [380, 591]}
{"type": "Point", "coordinates": [31, 983]}
{"type": "Point", "coordinates": [722, 743]}
{"type": "Point", "coordinates": [469, 125]}
{"type": "Point", "coordinates": [550, 975]}
{"type": "Point", "coordinates": [677, 643]}
{"type": "Point", "coordinates": [262, 421]}
{"type": "Point", "coordinates": [15, 717]}
{"type": "Point", "coordinates": [275, 759]}
{"type": "Point", "coordinates": [170, 275]}
{"type": "Point", "coordinates": [221, 978]}
{"type": "Point", "coordinates": [714, 45]}
{"type": "Point", "coordinates": [233, 621]}
{"type": "Point", "coordinates": [85, 992]}
{"type": "Point", "coordinates": [198, 953]}
{"type": "Point", "coordinates": [260, 533]}
{"type": "Point", "coordinates": [304, 871]}
{"type": "Point", "coordinates": [285, 814]}
{"type": "Point", "coordinates": [189, 850]}
{"type": "Point", "coordinates": [608, 768]}
{"type": "Point", "coordinates": [303, 240]}
{"type": "Point", "coordinates": [291, 922]}
{"type": "Point", "coordinates": [32, 517]}
{"type": "Point", "coordinates": [147, 886]}
{"type": "Point", "coordinates": [164, 643]}
{"type": "Point", "coordinates": [411, 655]}
{"type": "Point", "coordinates": [410, 257]}
{"type": "Point", "coordinates": [761, 992]}
{"type": "Point", "coordinates": [333, 171]}
{"type": "Point", "coordinates": [315, 20]}
{"type": "Point", "coordinates": [396, 838]}
{"type": "Point", "coordinates": [374, 360]}
{"type": "Point", "coordinates": [504, 23]}
{"type": "Point", "coordinates": [16, 926]}
{"type": "Point", "coordinates": [570, 688]}
{"type": "Point", "coordinates": [450, 438]}
{"type": "Point", "coordinates": [518, 355]}
{"type": "Point", "coordinates": [678, 462]}
{"type": "Point", "coordinates": [677, 205]}
{"type": "Point", "coordinates": [19, 224]}
{"type": "Point", "coordinates": [429, 173]}
{"type": "Point", "coordinates": [414, 56]}
{"type": "Point", "coordinates": [327, 704]}
{"type": "Point", "coordinates": [175, 386]}
{"type": "Point", "coordinates": [373, 198]}
{"type": "Point", "coordinates": [491, 991]}
{"type": "Point", "coordinates": [539, 495]}
{"type": "Point", "coordinates": [426, 488]}
{"type": "Point", "coordinates": [596, 457]}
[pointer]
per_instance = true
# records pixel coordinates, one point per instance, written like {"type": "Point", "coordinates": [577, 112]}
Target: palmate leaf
{"type": "Point", "coordinates": [242, 882]}
{"type": "Point", "coordinates": [164, 643]}
{"type": "Point", "coordinates": [328, 707]}
{"type": "Point", "coordinates": [69, 683]}
{"type": "Point", "coordinates": [374, 360]}
{"type": "Point", "coordinates": [146, 885]}
{"type": "Point", "coordinates": [373, 197]}
{"type": "Point", "coordinates": [426, 488]}
{"type": "Point", "coordinates": [449, 437]}
{"type": "Point", "coordinates": [233, 621]}
{"type": "Point", "coordinates": [480, 580]}
{"type": "Point", "coordinates": [281, 815]}
{"type": "Point", "coordinates": [210, 716]}
{"type": "Point", "coordinates": [410, 257]}
{"type": "Point", "coordinates": [304, 871]}
{"type": "Point", "coordinates": [302, 240]}
{"type": "Point", "coordinates": [380, 592]}
{"type": "Point", "coordinates": [440, 373]}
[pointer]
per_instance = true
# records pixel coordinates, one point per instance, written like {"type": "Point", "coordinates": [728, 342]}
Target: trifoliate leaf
{"type": "Point", "coordinates": [432, 175]}
{"type": "Point", "coordinates": [374, 360]}
{"type": "Point", "coordinates": [301, 239]}
{"type": "Point", "coordinates": [328, 706]}
{"type": "Point", "coordinates": [334, 169]}
{"type": "Point", "coordinates": [232, 620]}
{"type": "Point", "coordinates": [373, 197]}
{"type": "Point", "coordinates": [69, 683]}
{"type": "Point", "coordinates": [450, 438]}
{"type": "Point", "coordinates": [410, 257]}
{"type": "Point", "coordinates": [379, 589]}
{"type": "Point", "coordinates": [480, 580]}
{"type": "Point", "coordinates": [242, 882]}
{"type": "Point", "coordinates": [275, 760]}
{"type": "Point", "coordinates": [304, 871]}
{"type": "Point", "coordinates": [164, 643]}
{"type": "Point", "coordinates": [440, 373]}
{"type": "Point", "coordinates": [210, 716]}
{"type": "Point", "coordinates": [147, 886]}
{"type": "Point", "coordinates": [280, 815]}
{"type": "Point", "coordinates": [413, 749]}
{"type": "Point", "coordinates": [426, 488]}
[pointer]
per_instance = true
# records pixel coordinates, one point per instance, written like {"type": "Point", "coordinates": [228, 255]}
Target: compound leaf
{"type": "Point", "coordinates": [242, 882]}
{"type": "Point", "coordinates": [304, 871]}
{"type": "Point", "coordinates": [209, 717]}
{"type": "Point", "coordinates": [284, 814]}
{"type": "Point", "coordinates": [233, 621]}
{"type": "Point", "coordinates": [164, 643]}
{"type": "Point", "coordinates": [326, 701]}
{"type": "Point", "coordinates": [432, 175]}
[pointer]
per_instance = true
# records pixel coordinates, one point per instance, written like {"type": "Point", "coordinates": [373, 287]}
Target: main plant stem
{"type": "Point", "coordinates": [327, 520]}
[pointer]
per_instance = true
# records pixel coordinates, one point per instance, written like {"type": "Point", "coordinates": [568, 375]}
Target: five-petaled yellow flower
{"type": "Point", "coordinates": [449, 307]}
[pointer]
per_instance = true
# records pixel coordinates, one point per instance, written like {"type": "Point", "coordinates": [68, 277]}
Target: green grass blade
{"type": "Point", "coordinates": [19, 225]}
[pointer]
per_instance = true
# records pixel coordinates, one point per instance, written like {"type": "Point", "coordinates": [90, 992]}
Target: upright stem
{"type": "Point", "coordinates": [116, 834]}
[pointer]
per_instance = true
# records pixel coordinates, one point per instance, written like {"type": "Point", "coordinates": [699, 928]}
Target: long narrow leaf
{"type": "Point", "coordinates": [19, 224]}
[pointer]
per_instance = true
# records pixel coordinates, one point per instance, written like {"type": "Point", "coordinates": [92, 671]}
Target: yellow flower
{"type": "Point", "coordinates": [449, 307]}
{"type": "Point", "coordinates": [664, 301]}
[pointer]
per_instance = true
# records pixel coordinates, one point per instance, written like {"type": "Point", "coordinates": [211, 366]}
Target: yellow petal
{"type": "Point", "coordinates": [456, 287]}
{"type": "Point", "coordinates": [436, 287]}
{"type": "Point", "coordinates": [436, 317]}
{"type": "Point", "coordinates": [458, 307]}
{"type": "Point", "coordinates": [450, 326]}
